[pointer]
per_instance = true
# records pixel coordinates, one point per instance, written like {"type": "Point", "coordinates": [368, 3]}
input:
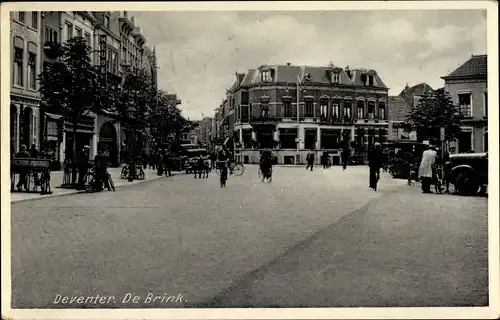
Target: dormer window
{"type": "Point", "coordinates": [370, 80]}
{"type": "Point", "coordinates": [308, 77]}
{"type": "Point", "coordinates": [335, 77]}
{"type": "Point", "coordinates": [106, 22]}
{"type": "Point", "coordinates": [267, 76]}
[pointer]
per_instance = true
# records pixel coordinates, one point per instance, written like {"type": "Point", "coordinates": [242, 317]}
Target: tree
{"type": "Point", "coordinates": [70, 87]}
{"type": "Point", "coordinates": [137, 94]}
{"type": "Point", "coordinates": [431, 113]}
{"type": "Point", "coordinates": [168, 119]}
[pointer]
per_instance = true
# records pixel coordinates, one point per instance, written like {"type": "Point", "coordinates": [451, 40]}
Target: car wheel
{"type": "Point", "coordinates": [467, 184]}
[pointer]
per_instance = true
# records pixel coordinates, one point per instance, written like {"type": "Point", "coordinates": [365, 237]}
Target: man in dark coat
{"type": "Point", "coordinates": [375, 161]}
{"type": "Point", "coordinates": [101, 164]}
{"type": "Point", "coordinates": [160, 162]}
{"type": "Point", "coordinates": [34, 152]}
{"type": "Point", "coordinates": [82, 163]}
{"type": "Point", "coordinates": [168, 164]}
{"type": "Point", "coordinates": [345, 158]}
{"type": "Point", "coordinates": [310, 160]}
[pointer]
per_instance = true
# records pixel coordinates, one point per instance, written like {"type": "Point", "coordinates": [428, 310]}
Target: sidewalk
{"type": "Point", "coordinates": [56, 179]}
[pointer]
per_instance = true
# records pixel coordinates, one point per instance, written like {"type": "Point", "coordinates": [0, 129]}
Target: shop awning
{"type": "Point", "coordinates": [53, 116]}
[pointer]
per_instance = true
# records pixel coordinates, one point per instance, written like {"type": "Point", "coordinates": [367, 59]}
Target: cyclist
{"type": "Point", "coordinates": [266, 163]}
{"type": "Point", "coordinates": [222, 162]}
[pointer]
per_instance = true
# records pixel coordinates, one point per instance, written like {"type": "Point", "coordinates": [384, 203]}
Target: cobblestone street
{"type": "Point", "coordinates": [320, 238]}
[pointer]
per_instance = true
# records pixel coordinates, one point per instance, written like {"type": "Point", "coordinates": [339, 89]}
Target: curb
{"type": "Point", "coordinates": [73, 192]}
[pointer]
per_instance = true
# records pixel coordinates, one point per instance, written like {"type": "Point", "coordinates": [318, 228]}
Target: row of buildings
{"type": "Point", "coordinates": [118, 47]}
{"type": "Point", "coordinates": [337, 107]}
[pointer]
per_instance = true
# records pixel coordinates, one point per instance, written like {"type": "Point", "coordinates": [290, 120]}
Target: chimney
{"type": "Point", "coordinates": [288, 64]}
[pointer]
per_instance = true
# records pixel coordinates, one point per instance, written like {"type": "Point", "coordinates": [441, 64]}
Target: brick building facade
{"type": "Point", "coordinates": [338, 108]}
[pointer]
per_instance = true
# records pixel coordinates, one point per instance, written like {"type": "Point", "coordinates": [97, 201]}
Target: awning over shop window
{"type": "Point", "coordinates": [53, 116]}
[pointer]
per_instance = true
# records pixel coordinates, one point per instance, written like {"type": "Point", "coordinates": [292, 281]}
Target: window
{"type": "Point", "coordinates": [485, 97]}
{"type": "Point", "coordinates": [323, 105]}
{"type": "Point", "coordinates": [464, 101]}
{"type": "Point", "coordinates": [287, 109]}
{"type": "Point", "coordinates": [52, 128]}
{"type": "Point", "coordinates": [79, 32]}
{"type": "Point", "coordinates": [360, 105]}
{"type": "Point", "coordinates": [244, 112]}
{"type": "Point", "coordinates": [50, 35]}
{"type": "Point", "coordinates": [381, 110]}
{"type": "Point", "coordinates": [347, 109]}
{"type": "Point", "coordinates": [32, 70]}
{"type": "Point", "coordinates": [465, 140]}
{"type": "Point", "coordinates": [371, 109]}
{"type": "Point", "coordinates": [336, 109]}
{"type": "Point", "coordinates": [87, 39]}
{"type": "Point", "coordinates": [329, 139]}
{"type": "Point", "coordinates": [106, 22]}
{"type": "Point", "coordinates": [18, 66]}
{"type": "Point", "coordinates": [108, 60]}
{"type": "Point", "coordinates": [264, 110]}
{"type": "Point", "coordinates": [69, 31]}
{"type": "Point", "coordinates": [287, 138]}
{"type": "Point", "coordinates": [244, 98]}
{"type": "Point", "coordinates": [370, 80]}
{"type": "Point", "coordinates": [34, 20]}
{"type": "Point", "coordinates": [266, 76]}
{"type": "Point", "coordinates": [21, 17]}
{"type": "Point", "coordinates": [124, 55]}
{"type": "Point", "coordinates": [309, 108]}
{"type": "Point", "coordinates": [114, 62]}
{"type": "Point", "coordinates": [335, 77]}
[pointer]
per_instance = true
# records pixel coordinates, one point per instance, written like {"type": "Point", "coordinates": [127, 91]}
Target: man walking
{"type": "Point", "coordinates": [34, 152]}
{"type": "Point", "coordinates": [375, 163]}
{"type": "Point", "coordinates": [345, 158]}
{"type": "Point", "coordinates": [168, 164]}
{"type": "Point", "coordinates": [82, 164]}
{"type": "Point", "coordinates": [310, 160]}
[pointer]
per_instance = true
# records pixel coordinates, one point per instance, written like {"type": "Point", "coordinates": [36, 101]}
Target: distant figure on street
{"type": "Point", "coordinates": [324, 159]}
{"type": "Point", "coordinates": [82, 163]}
{"type": "Point", "coordinates": [160, 162]}
{"type": "Point", "coordinates": [23, 153]}
{"type": "Point", "coordinates": [167, 160]}
{"type": "Point", "coordinates": [426, 169]}
{"type": "Point", "coordinates": [100, 166]}
{"type": "Point", "coordinates": [153, 160]}
{"type": "Point", "coordinates": [213, 158]}
{"type": "Point", "coordinates": [34, 152]}
{"type": "Point", "coordinates": [310, 160]}
{"type": "Point", "coordinates": [345, 158]}
{"type": "Point", "coordinates": [375, 161]}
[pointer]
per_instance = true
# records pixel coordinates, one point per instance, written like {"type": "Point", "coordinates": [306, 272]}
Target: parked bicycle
{"type": "Point", "coordinates": [137, 174]}
{"type": "Point", "coordinates": [91, 183]}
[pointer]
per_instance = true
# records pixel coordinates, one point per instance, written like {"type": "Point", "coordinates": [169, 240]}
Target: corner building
{"type": "Point", "coordinates": [338, 108]}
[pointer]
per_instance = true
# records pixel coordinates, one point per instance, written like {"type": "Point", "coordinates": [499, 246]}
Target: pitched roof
{"type": "Point", "coordinates": [476, 66]}
{"type": "Point", "coordinates": [409, 93]}
{"type": "Point", "coordinates": [318, 75]}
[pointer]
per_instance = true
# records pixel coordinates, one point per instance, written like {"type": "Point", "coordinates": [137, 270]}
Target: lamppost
{"type": "Point", "coordinates": [297, 83]}
{"type": "Point", "coordinates": [131, 111]}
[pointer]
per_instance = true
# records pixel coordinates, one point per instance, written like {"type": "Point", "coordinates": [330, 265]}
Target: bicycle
{"type": "Point", "coordinates": [263, 176]}
{"type": "Point", "coordinates": [90, 182]}
{"type": "Point", "coordinates": [138, 174]}
{"type": "Point", "coordinates": [235, 168]}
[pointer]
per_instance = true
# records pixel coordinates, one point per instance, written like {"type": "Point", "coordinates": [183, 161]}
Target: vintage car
{"type": "Point", "coordinates": [468, 172]}
{"type": "Point", "coordinates": [192, 158]}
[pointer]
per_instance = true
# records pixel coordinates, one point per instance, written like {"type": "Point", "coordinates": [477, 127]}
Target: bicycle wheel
{"type": "Point", "coordinates": [124, 173]}
{"type": "Point", "coordinates": [261, 175]}
{"type": "Point", "coordinates": [141, 175]}
{"type": "Point", "coordinates": [89, 181]}
{"type": "Point", "coordinates": [111, 183]}
{"type": "Point", "coordinates": [238, 169]}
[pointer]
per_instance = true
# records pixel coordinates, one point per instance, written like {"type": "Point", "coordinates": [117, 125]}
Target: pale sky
{"type": "Point", "coordinates": [199, 52]}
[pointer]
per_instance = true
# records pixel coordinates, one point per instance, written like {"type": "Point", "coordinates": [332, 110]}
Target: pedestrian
{"type": "Point", "coordinates": [82, 162]}
{"type": "Point", "coordinates": [324, 159]}
{"type": "Point", "coordinates": [23, 153]}
{"type": "Point", "coordinates": [345, 158]}
{"type": "Point", "coordinates": [213, 158]}
{"type": "Point", "coordinates": [168, 164]}
{"type": "Point", "coordinates": [310, 160]}
{"type": "Point", "coordinates": [160, 162]}
{"type": "Point", "coordinates": [426, 169]}
{"type": "Point", "coordinates": [100, 166]}
{"type": "Point", "coordinates": [375, 160]}
{"type": "Point", "coordinates": [34, 152]}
